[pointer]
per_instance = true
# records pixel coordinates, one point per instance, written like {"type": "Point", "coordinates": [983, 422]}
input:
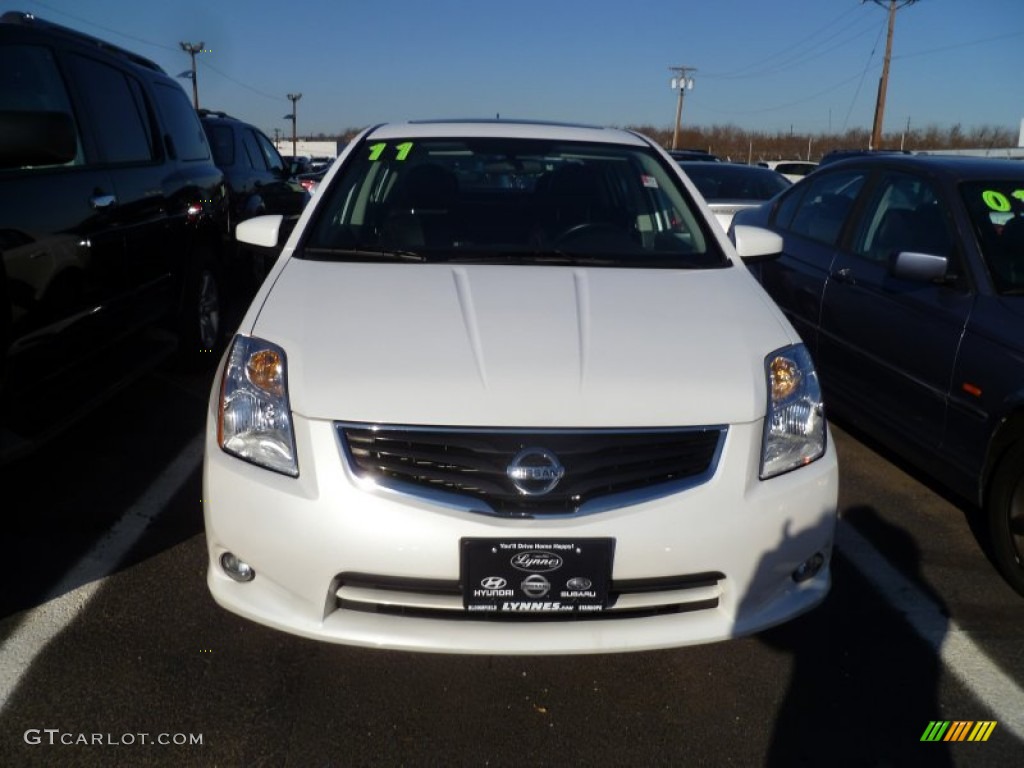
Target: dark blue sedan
{"type": "Point", "coordinates": [905, 277]}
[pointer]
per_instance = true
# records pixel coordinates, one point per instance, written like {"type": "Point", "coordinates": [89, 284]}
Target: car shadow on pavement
{"type": "Point", "coordinates": [863, 686]}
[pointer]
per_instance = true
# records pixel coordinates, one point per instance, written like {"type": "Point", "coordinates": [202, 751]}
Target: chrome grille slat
{"type": "Point", "coordinates": [473, 462]}
{"type": "Point", "coordinates": [443, 600]}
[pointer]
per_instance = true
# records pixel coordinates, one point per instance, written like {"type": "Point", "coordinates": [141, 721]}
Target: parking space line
{"type": "Point", "coordinates": [73, 593]}
{"type": "Point", "coordinates": [959, 654]}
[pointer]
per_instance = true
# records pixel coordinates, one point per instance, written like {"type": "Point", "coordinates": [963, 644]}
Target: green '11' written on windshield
{"type": "Point", "coordinates": [401, 151]}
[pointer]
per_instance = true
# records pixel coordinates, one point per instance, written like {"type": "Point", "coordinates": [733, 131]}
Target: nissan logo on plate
{"type": "Point", "coordinates": [535, 586]}
{"type": "Point", "coordinates": [535, 471]}
{"type": "Point", "coordinates": [536, 562]}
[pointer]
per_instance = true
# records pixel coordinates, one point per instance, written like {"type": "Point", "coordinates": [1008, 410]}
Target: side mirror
{"type": "Point", "coordinates": [921, 267]}
{"type": "Point", "coordinates": [755, 243]}
{"type": "Point", "coordinates": [36, 138]}
{"type": "Point", "coordinates": [263, 231]}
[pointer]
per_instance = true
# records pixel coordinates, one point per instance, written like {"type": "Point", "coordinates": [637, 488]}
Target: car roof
{"type": "Point", "coordinates": [518, 129]}
{"type": "Point", "coordinates": [954, 167]}
{"type": "Point", "coordinates": [29, 21]}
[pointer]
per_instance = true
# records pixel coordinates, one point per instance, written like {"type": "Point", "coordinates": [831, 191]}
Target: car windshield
{"type": "Point", "coordinates": [721, 181]}
{"type": "Point", "coordinates": [493, 200]}
{"type": "Point", "coordinates": [997, 212]}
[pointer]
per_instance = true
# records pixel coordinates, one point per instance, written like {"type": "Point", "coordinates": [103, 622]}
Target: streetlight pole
{"type": "Point", "coordinates": [192, 49]}
{"type": "Point", "coordinates": [294, 99]}
{"type": "Point", "coordinates": [883, 82]}
{"type": "Point", "coordinates": [681, 82]}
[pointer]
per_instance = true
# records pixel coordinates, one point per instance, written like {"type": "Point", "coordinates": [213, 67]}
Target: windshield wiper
{"type": "Point", "coordinates": [359, 254]}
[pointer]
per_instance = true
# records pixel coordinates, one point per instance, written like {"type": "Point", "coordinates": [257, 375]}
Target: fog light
{"type": "Point", "coordinates": [809, 568]}
{"type": "Point", "coordinates": [236, 569]}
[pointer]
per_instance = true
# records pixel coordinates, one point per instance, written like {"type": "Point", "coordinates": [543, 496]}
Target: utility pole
{"type": "Point", "coordinates": [681, 82]}
{"type": "Point", "coordinates": [883, 83]}
{"type": "Point", "coordinates": [294, 99]}
{"type": "Point", "coordinates": [192, 49]}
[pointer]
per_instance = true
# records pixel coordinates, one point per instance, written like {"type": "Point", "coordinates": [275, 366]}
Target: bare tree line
{"type": "Point", "coordinates": [741, 145]}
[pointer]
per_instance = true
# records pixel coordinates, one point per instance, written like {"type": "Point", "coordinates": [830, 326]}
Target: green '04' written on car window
{"type": "Point", "coordinates": [997, 212]}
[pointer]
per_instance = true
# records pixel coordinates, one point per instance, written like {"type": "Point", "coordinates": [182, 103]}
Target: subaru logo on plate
{"type": "Point", "coordinates": [535, 471]}
{"type": "Point", "coordinates": [493, 582]}
{"type": "Point", "coordinates": [578, 584]}
{"type": "Point", "coordinates": [536, 585]}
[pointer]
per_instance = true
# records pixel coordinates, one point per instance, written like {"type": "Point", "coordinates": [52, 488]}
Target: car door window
{"type": "Point", "coordinates": [820, 211]}
{"type": "Point", "coordinates": [114, 101]}
{"type": "Point", "coordinates": [31, 82]}
{"type": "Point", "coordinates": [253, 151]}
{"type": "Point", "coordinates": [903, 214]}
{"type": "Point", "coordinates": [186, 132]}
{"type": "Point", "coordinates": [270, 155]}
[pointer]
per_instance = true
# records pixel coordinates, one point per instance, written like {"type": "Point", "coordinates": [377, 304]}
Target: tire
{"type": "Point", "coordinates": [1005, 513]}
{"type": "Point", "coordinates": [201, 316]}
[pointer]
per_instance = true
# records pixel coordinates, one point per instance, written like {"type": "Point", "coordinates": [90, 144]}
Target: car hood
{"type": "Point", "coordinates": [493, 345]}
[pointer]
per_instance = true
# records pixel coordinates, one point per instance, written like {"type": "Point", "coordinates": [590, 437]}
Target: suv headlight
{"type": "Point", "coordinates": [254, 420]}
{"type": "Point", "coordinates": [794, 426]}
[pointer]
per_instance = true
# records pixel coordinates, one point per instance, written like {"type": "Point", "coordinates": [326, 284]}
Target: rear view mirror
{"type": "Point", "coordinates": [36, 138]}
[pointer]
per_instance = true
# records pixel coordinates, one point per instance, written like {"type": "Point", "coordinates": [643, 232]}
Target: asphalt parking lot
{"type": "Point", "coordinates": [114, 654]}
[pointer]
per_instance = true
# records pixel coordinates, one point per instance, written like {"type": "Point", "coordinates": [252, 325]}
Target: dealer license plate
{"type": "Point", "coordinates": [536, 575]}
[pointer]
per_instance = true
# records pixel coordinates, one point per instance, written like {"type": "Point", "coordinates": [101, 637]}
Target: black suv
{"type": "Point", "coordinates": [111, 221]}
{"type": "Point", "coordinates": [258, 181]}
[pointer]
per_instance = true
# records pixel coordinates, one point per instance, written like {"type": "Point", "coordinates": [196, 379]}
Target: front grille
{"type": "Point", "coordinates": [473, 464]}
{"type": "Point", "coordinates": [433, 599]}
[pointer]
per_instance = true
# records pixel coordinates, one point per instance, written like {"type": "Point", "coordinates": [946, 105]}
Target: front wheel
{"type": "Point", "coordinates": [1005, 511]}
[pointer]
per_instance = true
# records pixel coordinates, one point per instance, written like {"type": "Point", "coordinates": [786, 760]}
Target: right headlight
{"type": "Point", "coordinates": [254, 420]}
{"type": "Point", "coordinates": [794, 426]}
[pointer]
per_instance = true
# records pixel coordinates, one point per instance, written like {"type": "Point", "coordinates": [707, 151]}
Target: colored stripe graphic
{"type": "Point", "coordinates": [935, 731]}
{"type": "Point", "coordinates": [958, 730]}
{"type": "Point", "coordinates": [982, 730]}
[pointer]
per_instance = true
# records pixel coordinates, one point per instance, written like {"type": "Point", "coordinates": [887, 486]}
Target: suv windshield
{"type": "Point", "coordinates": [997, 212]}
{"type": "Point", "coordinates": [509, 201]}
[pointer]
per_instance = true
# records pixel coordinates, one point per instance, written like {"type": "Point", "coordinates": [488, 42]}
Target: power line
{"type": "Point", "coordinates": [786, 54]}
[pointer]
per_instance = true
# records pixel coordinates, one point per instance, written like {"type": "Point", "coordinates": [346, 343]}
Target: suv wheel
{"type": "Point", "coordinates": [1006, 517]}
{"type": "Point", "coordinates": [201, 320]}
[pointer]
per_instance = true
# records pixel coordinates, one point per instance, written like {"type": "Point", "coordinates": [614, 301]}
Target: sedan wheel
{"type": "Point", "coordinates": [1006, 517]}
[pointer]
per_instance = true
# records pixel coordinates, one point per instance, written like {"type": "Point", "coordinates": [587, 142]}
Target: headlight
{"type": "Point", "coordinates": [794, 426]}
{"type": "Point", "coordinates": [254, 421]}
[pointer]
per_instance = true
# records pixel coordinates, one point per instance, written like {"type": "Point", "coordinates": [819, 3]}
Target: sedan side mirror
{"type": "Point", "coordinates": [263, 231]}
{"type": "Point", "coordinates": [921, 267]}
{"type": "Point", "coordinates": [754, 243]}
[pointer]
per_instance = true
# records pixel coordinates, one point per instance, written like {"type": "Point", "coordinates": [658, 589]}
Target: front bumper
{"type": "Point", "coordinates": [303, 535]}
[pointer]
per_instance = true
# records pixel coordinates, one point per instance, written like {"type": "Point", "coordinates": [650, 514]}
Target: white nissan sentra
{"type": "Point", "coordinates": [508, 390]}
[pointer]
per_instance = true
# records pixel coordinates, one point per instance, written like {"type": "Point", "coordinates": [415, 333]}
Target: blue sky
{"type": "Point", "coordinates": [810, 66]}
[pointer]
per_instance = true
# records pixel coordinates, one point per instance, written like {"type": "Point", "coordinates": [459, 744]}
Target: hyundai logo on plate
{"type": "Point", "coordinates": [493, 582]}
{"type": "Point", "coordinates": [535, 471]}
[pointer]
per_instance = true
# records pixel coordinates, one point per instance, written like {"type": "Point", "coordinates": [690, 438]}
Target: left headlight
{"type": "Point", "coordinates": [794, 426]}
{"type": "Point", "coordinates": [254, 420]}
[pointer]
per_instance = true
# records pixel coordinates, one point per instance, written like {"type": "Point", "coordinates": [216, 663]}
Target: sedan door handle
{"type": "Point", "coordinates": [101, 201]}
{"type": "Point", "coordinates": [844, 275]}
